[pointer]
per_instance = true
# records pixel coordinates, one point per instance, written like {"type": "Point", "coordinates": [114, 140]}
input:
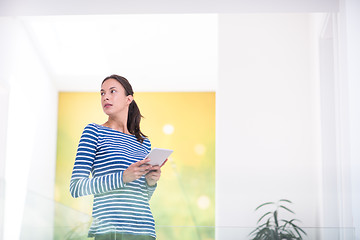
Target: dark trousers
{"type": "Point", "coordinates": [120, 236]}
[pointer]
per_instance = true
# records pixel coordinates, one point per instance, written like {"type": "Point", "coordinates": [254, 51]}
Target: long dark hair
{"type": "Point", "coordinates": [134, 115]}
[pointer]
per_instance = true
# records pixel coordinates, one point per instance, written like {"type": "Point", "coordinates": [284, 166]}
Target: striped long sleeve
{"type": "Point", "coordinates": [81, 184]}
{"type": "Point", "coordinates": [151, 190]}
{"type": "Point", "coordinates": [105, 154]}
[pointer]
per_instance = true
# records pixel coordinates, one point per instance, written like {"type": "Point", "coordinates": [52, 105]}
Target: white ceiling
{"type": "Point", "coordinates": [155, 52]}
{"type": "Point", "coordinates": [81, 42]}
{"type": "Point", "coordinates": [81, 7]}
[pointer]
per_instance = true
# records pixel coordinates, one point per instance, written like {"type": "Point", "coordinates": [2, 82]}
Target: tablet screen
{"type": "Point", "coordinates": [158, 156]}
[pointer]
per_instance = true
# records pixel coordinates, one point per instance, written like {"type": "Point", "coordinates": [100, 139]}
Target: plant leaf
{"type": "Point", "coordinates": [264, 233]}
{"type": "Point", "coordinates": [295, 227]}
{"type": "Point", "coordinates": [268, 222]}
{"type": "Point", "coordinates": [298, 228]}
{"type": "Point", "coordinates": [285, 200]}
{"type": "Point", "coordinates": [263, 216]}
{"type": "Point", "coordinates": [286, 223]}
{"type": "Point", "coordinates": [286, 209]}
{"type": "Point", "coordinates": [258, 228]}
{"type": "Point", "coordinates": [267, 203]}
{"type": "Point", "coordinates": [274, 235]}
{"type": "Point", "coordinates": [286, 236]}
{"type": "Point", "coordinates": [276, 219]}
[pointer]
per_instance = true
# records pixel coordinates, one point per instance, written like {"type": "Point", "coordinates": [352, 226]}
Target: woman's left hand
{"type": "Point", "coordinates": [153, 175]}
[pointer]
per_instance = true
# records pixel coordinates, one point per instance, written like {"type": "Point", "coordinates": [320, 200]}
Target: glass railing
{"type": "Point", "coordinates": [239, 233]}
{"type": "Point", "coordinates": [79, 231]}
{"type": "Point", "coordinates": [45, 218]}
{"type": "Point", "coordinates": [39, 222]}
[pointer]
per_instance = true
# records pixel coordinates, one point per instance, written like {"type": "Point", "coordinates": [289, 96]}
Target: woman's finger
{"type": "Point", "coordinates": [155, 168]}
{"type": "Point", "coordinates": [141, 162]}
{"type": "Point", "coordinates": [145, 168]}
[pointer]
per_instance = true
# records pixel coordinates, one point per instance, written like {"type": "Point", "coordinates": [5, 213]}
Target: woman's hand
{"type": "Point", "coordinates": [154, 175]}
{"type": "Point", "coordinates": [136, 170]}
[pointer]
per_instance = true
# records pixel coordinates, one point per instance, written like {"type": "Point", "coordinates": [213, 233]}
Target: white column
{"type": "Point", "coordinates": [350, 14]}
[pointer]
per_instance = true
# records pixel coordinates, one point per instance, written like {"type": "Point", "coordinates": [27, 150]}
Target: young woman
{"type": "Point", "coordinates": [122, 182]}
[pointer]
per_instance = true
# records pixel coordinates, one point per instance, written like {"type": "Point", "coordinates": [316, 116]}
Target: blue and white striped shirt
{"type": "Point", "coordinates": [118, 207]}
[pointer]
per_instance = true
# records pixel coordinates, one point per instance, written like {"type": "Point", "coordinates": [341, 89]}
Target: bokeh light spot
{"type": "Point", "coordinates": [200, 149]}
{"type": "Point", "coordinates": [203, 202]}
{"type": "Point", "coordinates": [168, 129]}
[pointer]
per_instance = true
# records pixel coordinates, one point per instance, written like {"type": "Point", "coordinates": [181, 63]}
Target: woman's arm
{"type": "Point", "coordinates": [152, 178]}
{"type": "Point", "coordinates": [81, 184]}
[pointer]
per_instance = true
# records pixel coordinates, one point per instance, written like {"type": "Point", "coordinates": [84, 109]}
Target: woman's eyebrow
{"type": "Point", "coordinates": [102, 90]}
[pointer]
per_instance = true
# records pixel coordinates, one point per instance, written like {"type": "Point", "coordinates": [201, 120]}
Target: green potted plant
{"type": "Point", "coordinates": [270, 227]}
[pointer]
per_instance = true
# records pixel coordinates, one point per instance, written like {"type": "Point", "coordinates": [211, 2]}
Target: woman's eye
{"type": "Point", "coordinates": [112, 91]}
{"type": "Point", "coordinates": [102, 93]}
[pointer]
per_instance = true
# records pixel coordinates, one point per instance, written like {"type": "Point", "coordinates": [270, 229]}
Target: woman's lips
{"type": "Point", "coordinates": [107, 105]}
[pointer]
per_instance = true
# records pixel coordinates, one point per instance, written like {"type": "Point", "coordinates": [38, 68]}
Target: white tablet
{"type": "Point", "coordinates": [158, 156]}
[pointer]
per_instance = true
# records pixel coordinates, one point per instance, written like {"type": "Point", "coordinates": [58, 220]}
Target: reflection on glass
{"type": "Point", "coordinates": [71, 224]}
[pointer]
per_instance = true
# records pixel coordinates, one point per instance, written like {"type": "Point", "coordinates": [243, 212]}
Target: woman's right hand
{"type": "Point", "coordinates": [136, 170]}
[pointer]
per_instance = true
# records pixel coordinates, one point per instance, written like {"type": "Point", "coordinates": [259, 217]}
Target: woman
{"type": "Point", "coordinates": [122, 182]}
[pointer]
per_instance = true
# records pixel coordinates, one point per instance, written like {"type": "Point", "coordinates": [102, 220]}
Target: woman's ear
{"type": "Point", "coordinates": [130, 98]}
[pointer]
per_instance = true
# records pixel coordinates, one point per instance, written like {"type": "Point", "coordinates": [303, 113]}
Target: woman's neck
{"type": "Point", "coordinates": [117, 124]}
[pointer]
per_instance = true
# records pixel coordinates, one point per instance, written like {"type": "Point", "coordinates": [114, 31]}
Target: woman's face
{"type": "Point", "coordinates": [113, 98]}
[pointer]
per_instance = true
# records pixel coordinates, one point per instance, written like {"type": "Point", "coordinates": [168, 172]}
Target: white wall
{"type": "Point", "coordinates": [350, 22]}
{"type": "Point", "coordinates": [268, 119]}
{"type": "Point", "coordinates": [31, 138]}
{"type": "Point", "coordinates": [5, 49]}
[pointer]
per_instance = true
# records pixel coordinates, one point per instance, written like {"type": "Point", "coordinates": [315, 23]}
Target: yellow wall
{"type": "Point", "coordinates": [184, 122]}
